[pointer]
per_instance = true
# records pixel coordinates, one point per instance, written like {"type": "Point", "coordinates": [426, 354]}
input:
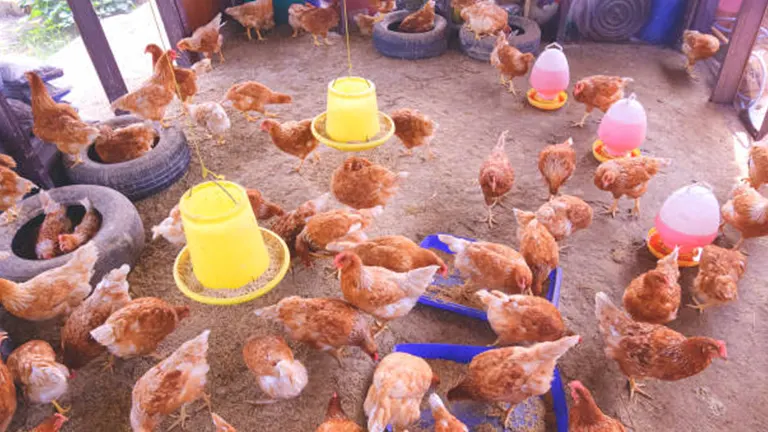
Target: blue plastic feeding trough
{"type": "Point", "coordinates": [468, 411]}
{"type": "Point", "coordinates": [433, 242]}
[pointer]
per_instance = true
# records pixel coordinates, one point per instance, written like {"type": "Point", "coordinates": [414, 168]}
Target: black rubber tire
{"type": "Point", "coordinates": [142, 177]}
{"type": "Point", "coordinates": [410, 46]}
{"type": "Point", "coordinates": [119, 241]}
{"type": "Point", "coordinates": [527, 42]}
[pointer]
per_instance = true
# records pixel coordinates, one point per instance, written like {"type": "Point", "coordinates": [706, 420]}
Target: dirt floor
{"type": "Point", "coordinates": [463, 95]}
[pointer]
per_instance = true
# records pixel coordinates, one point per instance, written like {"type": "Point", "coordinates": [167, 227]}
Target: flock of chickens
{"type": "Point", "coordinates": [381, 278]}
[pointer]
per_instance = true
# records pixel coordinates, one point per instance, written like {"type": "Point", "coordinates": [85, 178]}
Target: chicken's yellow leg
{"type": "Point", "coordinates": [182, 419]}
{"type": "Point", "coordinates": [698, 305]}
{"type": "Point", "coordinates": [295, 33]}
{"type": "Point", "coordinates": [298, 168]}
{"type": "Point", "coordinates": [636, 208]}
{"type": "Point", "coordinates": [221, 56]}
{"type": "Point", "coordinates": [583, 120]}
{"type": "Point", "coordinates": [248, 33]}
{"type": "Point", "coordinates": [511, 87]}
{"type": "Point", "coordinates": [316, 157]}
{"type": "Point", "coordinates": [60, 409]}
{"type": "Point", "coordinates": [315, 41]}
{"type": "Point", "coordinates": [258, 33]}
{"type": "Point", "coordinates": [634, 387]}
{"type": "Point", "coordinates": [614, 207]}
{"type": "Point", "coordinates": [502, 80]}
{"type": "Point", "coordinates": [326, 41]}
{"type": "Point", "coordinates": [249, 117]}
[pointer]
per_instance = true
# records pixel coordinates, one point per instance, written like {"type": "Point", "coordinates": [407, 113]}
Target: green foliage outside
{"type": "Point", "coordinates": [50, 24]}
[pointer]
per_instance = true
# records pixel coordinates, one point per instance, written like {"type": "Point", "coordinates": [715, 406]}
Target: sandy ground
{"type": "Point", "coordinates": [440, 196]}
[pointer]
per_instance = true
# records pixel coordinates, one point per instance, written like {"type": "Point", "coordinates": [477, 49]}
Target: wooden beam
{"type": "Point", "coordinates": [176, 27]}
{"type": "Point", "coordinates": [98, 48]}
{"type": "Point", "coordinates": [16, 143]}
{"type": "Point", "coordinates": [739, 49]}
{"type": "Point", "coordinates": [565, 9]}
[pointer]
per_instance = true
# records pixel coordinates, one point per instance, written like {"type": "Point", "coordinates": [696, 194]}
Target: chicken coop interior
{"type": "Point", "coordinates": [370, 215]}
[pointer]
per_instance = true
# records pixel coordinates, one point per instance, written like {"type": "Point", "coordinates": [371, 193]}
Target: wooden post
{"type": "Point", "coordinates": [98, 48]}
{"type": "Point", "coordinates": [177, 28]}
{"type": "Point", "coordinates": [740, 47]}
{"type": "Point", "coordinates": [565, 9]}
{"type": "Point", "coordinates": [16, 143]}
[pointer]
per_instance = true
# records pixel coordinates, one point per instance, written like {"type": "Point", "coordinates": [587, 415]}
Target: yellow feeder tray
{"type": "Point", "coordinates": [657, 247]}
{"type": "Point", "coordinates": [190, 287]}
{"type": "Point", "coordinates": [602, 155]}
{"type": "Point", "coordinates": [386, 132]}
{"type": "Point", "coordinates": [544, 104]}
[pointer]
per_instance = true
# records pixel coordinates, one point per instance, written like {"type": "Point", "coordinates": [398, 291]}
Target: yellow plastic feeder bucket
{"type": "Point", "coordinates": [352, 121]}
{"type": "Point", "coordinates": [223, 238]}
{"type": "Point", "coordinates": [353, 113]}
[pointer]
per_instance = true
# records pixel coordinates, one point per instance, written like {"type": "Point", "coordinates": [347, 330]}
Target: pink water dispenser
{"type": "Point", "coordinates": [622, 130]}
{"type": "Point", "coordinates": [549, 79]}
{"type": "Point", "coordinates": [689, 218]}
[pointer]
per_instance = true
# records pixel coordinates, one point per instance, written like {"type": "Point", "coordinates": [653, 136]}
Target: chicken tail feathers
{"type": "Point", "coordinates": [85, 257]}
{"type": "Point", "coordinates": [104, 334]}
{"type": "Point", "coordinates": [419, 279]}
{"type": "Point", "coordinates": [455, 244]}
{"type": "Point", "coordinates": [555, 349]}
{"type": "Point", "coordinates": [269, 312]}
{"type": "Point", "coordinates": [610, 318]}
{"type": "Point", "coordinates": [7, 161]}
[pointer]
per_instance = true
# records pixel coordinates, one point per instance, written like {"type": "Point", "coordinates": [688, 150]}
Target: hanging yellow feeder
{"type": "Point", "coordinates": [228, 259]}
{"type": "Point", "coordinates": [352, 121]}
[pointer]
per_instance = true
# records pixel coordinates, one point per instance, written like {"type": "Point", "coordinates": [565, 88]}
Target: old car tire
{"type": "Point", "coordinates": [119, 241]}
{"type": "Point", "coordinates": [527, 42]}
{"type": "Point", "coordinates": [409, 46]}
{"type": "Point", "coordinates": [142, 177]}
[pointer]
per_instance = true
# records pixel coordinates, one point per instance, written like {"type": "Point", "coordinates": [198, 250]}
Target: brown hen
{"type": "Point", "coordinates": [585, 415]}
{"type": "Point", "coordinates": [414, 129]}
{"type": "Point", "coordinates": [42, 379]}
{"type": "Point", "coordinates": [332, 226]}
{"type": "Point", "coordinates": [54, 224]}
{"type": "Point", "coordinates": [137, 328]}
{"type": "Point", "coordinates": [153, 97]}
{"type": "Point", "coordinates": [719, 273]}
{"type": "Point", "coordinates": [557, 162]}
{"type": "Point", "coordinates": [124, 144]}
{"type": "Point", "coordinates": [421, 21]}
{"type": "Point", "coordinates": [522, 318]}
{"type": "Point", "coordinates": [253, 96]}
{"type": "Point", "coordinates": [171, 384]}
{"type": "Point", "coordinates": [318, 21]}
{"type": "Point", "coordinates": [747, 211]}
{"type": "Point", "coordinates": [295, 11]}
{"type": "Point", "coordinates": [538, 247]}
{"type": "Point", "coordinates": [645, 350]}
{"type": "Point", "coordinates": [758, 166]}
{"type": "Point", "coordinates": [271, 361]}
{"type": "Point", "coordinates": [564, 216]}
{"type": "Point", "coordinates": [399, 384]}
{"type": "Point", "coordinates": [205, 39]}
{"type": "Point", "coordinates": [290, 225]}
{"type": "Point", "coordinates": [292, 137]}
{"type": "Point", "coordinates": [258, 15]}
{"type": "Point", "coordinates": [444, 420]}
{"type": "Point", "coordinates": [12, 188]}
{"type": "Point", "coordinates": [485, 18]}
{"type": "Point", "coordinates": [53, 423]}
{"type": "Point", "coordinates": [512, 374]}
{"type": "Point", "coordinates": [396, 253]}
{"type": "Point", "coordinates": [84, 231]}
{"type": "Point", "coordinates": [698, 46]}
{"type": "Point", "coordinates": [362, 184]}
{"type": "Point", "coordinates": [489, 265]}
{"type": "Point", "coordinates": [336, 420]}
{"type": "Point", "coordinates": [325, 324]}
{"type": "Point", "coordinates": [496, 177]}
{"type": "Point", "coordinates": [627, 176]}
{"type": "Point", "coordinates": [262, 208]}
{"type": "Point", "coordinates": [7, 392]}
{"type": "Point", "coordinates": [110, 294]}
{"type": "Point", "coordinates": [186, 79]}
{"type": "Point", "coordinates": [366, 22]}
{"type": "Point", "coordinates": [654, 296]}
{"type": "Point", "coordinates": [58, 123]}
{"type": "Point", "coordinates": [384, 294]}
{"type": "Point", "coordinates": [510, 62]}
{"type": "Point", "coordinates": [598, 91]}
